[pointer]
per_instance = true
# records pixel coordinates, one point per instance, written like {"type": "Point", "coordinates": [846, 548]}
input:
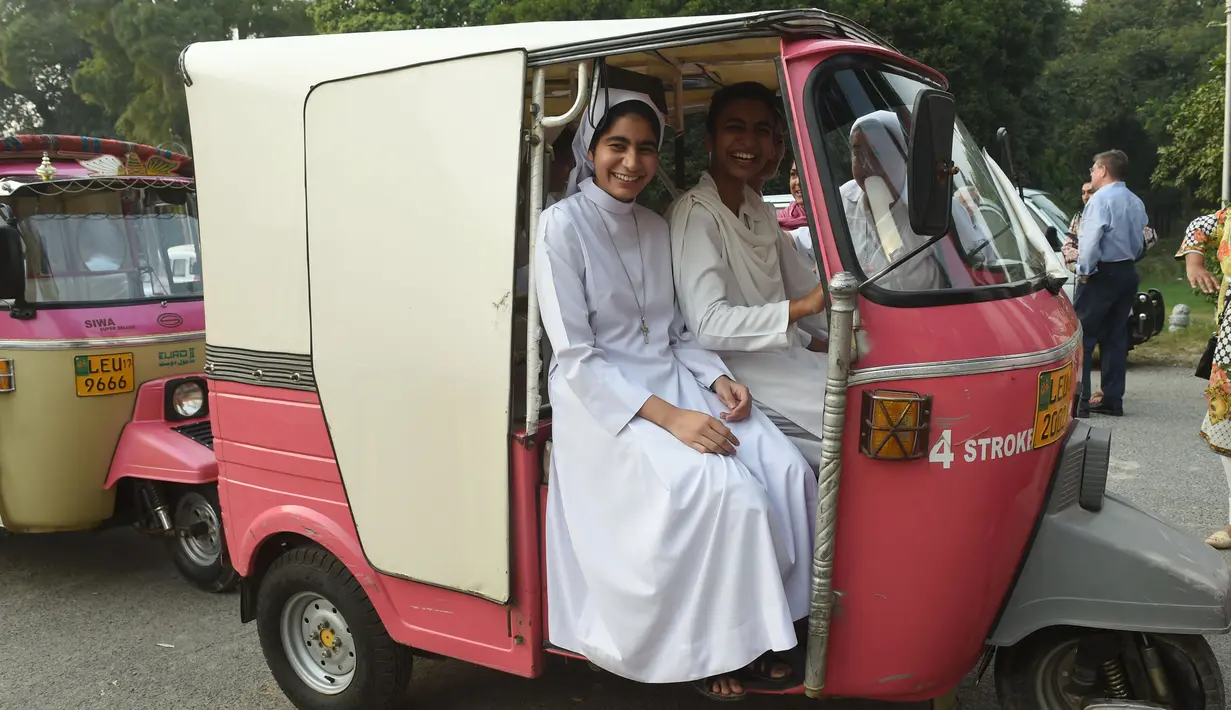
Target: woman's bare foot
{"type": "Point", "coordinates": [723, 687]}
{"type": "Point", "coordinates": [1221, 539]}
{"type": "Point", "coordinates": [726, 686]}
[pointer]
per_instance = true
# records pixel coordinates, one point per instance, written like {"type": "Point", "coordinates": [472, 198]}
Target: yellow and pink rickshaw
{"type": "Point", "coordinates": [384, 443]}
{"type": "Point", "coordinates": [104, 418]}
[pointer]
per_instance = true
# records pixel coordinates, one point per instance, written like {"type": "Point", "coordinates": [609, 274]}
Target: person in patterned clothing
{"type": "Point", "coordinates": [1203, 234]}
{"type": "Point", "coordinates": [1069, 249]}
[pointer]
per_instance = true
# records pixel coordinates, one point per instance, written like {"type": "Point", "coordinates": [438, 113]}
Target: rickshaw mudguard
{"type": "Point", "coordinates": [1098, 561]}
{"type": "Point", "coordinates": [153, 448]}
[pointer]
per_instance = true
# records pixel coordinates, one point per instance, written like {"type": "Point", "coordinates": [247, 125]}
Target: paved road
{"type": "Point", "coordinates": [83, 618]}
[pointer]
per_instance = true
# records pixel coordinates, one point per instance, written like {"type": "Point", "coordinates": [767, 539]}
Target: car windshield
{"type": "Point", "coordinates": [106, 246]}
{"type": "Point", "coordinates": [1053, 213]}
{"type": "Point", "coordinates": [865, 116]}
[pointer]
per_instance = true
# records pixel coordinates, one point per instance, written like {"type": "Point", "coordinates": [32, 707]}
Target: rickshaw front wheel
{"type": "Point", "coordinates": [201, 559]}
{"type": "Point", "coordinates": [323, 640]}
{"type": "Point", "coordinates": [1037, 672]}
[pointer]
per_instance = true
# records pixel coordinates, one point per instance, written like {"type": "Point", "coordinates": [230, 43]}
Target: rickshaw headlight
{"type": "Point", "coordinates": [8, 381]}
{"type": "Point", "coordinates": [894, 426]}
{"type": "Point", "coordinates": [186, 399]}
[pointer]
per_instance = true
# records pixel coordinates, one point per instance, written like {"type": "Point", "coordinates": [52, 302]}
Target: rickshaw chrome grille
{"type": "Point", "coordinates": [894, 425]}
{"type": "Point", "coordinates": [200, 432]}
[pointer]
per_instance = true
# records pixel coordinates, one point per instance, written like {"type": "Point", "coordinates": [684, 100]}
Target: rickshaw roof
{"type": "Point", "coordinates": [275, 63]}
{"type": "Point", "coordinates": [91, 156]}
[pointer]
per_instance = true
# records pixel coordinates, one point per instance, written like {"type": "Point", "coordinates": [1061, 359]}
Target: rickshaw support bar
{"type": "Point", "coordinates": [844, 288]}
{"type": "Point", "coordinates": [538, 125]}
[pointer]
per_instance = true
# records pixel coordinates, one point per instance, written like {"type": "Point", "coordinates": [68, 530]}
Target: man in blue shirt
{"type": "Point", "coordinates": [1111, 241]}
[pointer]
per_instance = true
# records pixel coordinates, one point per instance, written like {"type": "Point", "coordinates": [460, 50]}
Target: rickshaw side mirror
{"type": "Point", "coordinates": [930, 171]}
{"type": "Point", "coordinates": [1006, 152]}
{"type": "Point", "coordinates": [12, 264]}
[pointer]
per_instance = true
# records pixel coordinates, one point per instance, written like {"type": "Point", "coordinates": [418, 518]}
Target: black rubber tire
{"type": "Point", "coordinates": [217, 577]}
{"type": "Point", "coordinates": [1197, 687]}
{"type": "Point", "coordinates": [383, 667]}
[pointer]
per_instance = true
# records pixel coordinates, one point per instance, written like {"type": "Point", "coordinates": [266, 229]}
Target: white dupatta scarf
{"type": "Point", "coordinates": [752, 256]}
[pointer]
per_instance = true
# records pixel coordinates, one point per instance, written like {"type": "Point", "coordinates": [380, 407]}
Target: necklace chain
{"type": "Point", "coordinates": [645, 330]}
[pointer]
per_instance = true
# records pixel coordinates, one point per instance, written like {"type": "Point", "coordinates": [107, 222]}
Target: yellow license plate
{"type": "Point", "coordinates": [1055, 406]}
{"type": "Point", "coordinates": [104, 374]}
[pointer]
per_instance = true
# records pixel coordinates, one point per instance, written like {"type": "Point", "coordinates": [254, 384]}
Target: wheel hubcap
{"type": "Point", "coordinates": [204, 549]}
{"type": "Point", "coordinates": [1052, 679]}
{"type": "Point", "coordinates": [318, 643]}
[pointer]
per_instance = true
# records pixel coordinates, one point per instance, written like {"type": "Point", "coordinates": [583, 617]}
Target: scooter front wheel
{"type": "Point", "coordinates": [201, 558]}
{"type": "Point", "coordinates": [1038, 672]}
{"type": "Point", "coordinates": [323, 639]}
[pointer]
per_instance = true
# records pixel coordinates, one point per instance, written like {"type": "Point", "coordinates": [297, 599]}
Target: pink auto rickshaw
{"type": "Point", "coordinates": [104, 418]}
{"type": "Point", "coordinates": [383, 436]}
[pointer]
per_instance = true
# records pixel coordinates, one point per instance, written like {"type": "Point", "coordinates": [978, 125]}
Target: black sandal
{"type": "Point", "coordinates": [705, 687]}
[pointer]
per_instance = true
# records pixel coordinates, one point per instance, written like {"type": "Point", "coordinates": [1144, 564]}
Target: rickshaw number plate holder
{"type": "Point", "coordinates": [1054, 405]}
{"type": "Point", "coordinates": [100, 375]}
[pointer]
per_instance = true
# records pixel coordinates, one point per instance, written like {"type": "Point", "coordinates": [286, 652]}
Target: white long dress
{"type": "Point", "coordinates": [747, 324]}
{"type": "Point", "coordinates": [664, 565]}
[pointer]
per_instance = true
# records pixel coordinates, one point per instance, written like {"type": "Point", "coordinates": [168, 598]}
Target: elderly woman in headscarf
{"type": "Point", "coordinates": [875, 203]}
{"type": "Point", "coordinates": [744, 289]}
{"type": "Point", "coordinates": [679, 519]}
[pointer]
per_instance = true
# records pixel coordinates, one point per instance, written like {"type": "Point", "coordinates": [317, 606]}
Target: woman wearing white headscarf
{"type": "Point", "coordinates": [679, 520]}
{"type": "Point", "coordinates": [744, 289]}
{"type": "Point", "coordinates": [875, 203]}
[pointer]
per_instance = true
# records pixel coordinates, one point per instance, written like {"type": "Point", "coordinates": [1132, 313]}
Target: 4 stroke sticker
{"type": "Point", "coordinates": [989, 448]}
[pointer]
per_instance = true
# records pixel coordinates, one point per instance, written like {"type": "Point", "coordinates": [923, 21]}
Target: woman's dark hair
{"type": "Point", "coordinates": [622, 109]}
{"type": "Point", "coordinates": [751, 90]}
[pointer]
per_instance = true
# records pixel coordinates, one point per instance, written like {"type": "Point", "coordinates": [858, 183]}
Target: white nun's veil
{"type": "Point", "coordinates": [601, 101]}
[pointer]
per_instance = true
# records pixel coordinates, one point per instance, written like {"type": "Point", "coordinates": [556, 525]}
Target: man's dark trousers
{"type": "Point", "coordinates": [1103, 306]}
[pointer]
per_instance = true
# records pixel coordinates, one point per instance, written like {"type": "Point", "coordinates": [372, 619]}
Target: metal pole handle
{"type": "Point", "coordinates": [844, 289]}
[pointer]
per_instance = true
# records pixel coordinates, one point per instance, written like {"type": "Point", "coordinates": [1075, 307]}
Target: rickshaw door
{"type": "Point", "coordinates": [411, 180]}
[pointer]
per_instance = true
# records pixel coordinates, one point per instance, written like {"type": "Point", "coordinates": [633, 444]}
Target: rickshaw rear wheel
{"type": "Point", "coordinates": [1033, 674]}
{"type": "Point", "coordinates": [311, 590]}
{"type": "Point", "coordinates": [202, 560]}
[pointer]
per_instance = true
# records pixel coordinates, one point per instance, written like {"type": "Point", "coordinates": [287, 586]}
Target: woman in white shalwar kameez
{"type": "Point", "coordinates": [664, 564]}
{"type": "Point", "coordinates": [743, 287]}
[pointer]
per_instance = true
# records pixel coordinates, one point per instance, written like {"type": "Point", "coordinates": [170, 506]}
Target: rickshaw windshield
{"type": "Point", "coordinates": [107, 246]}
{"type": "Point", "coordinates": [864, 115]}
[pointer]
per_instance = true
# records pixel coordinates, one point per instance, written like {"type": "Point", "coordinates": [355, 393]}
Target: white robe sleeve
{"type": "Point", "coordinates": [702, 291]}
{"type": "Point", "coordinates": [602, 389]}
{"type": "Point", "coordinates": [705, 365]}
{"type": "Point", "coordinates": [798, 281]}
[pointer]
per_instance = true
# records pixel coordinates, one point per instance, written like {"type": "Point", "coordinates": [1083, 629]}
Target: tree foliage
{"type": "Point", "coordinates": [1194, 121]}
{"type": "Point", "coordinates": [110, 67]}
{"type": "Point", "coordinates": [1121, 63]}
